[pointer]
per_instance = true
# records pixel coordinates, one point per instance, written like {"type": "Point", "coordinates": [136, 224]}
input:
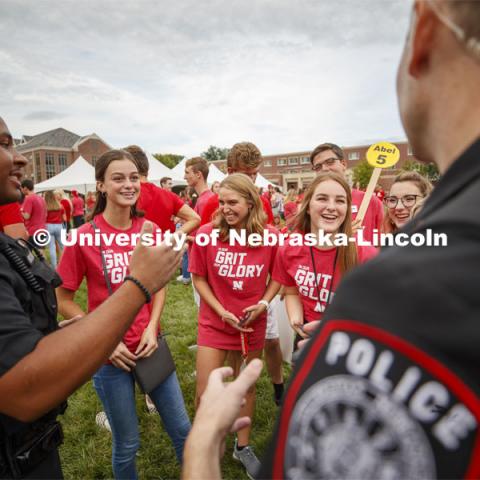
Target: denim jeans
{"type": "Point", "coordinates": [55, 230]}
{"type": "Point", "coordinates": [185, 272]}
{"type": "Point", "coordinates": [116, 389]}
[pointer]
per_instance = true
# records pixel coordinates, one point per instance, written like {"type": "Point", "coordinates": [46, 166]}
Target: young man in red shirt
{"type": "Point", "coordinates": [331, 158]}
{"type": "Point", "coordinates": [159, 204]}
{"type": "Point", "coordinates": [34, 210]}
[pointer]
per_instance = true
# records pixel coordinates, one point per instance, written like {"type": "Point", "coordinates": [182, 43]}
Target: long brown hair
{"type": "Point", "coordinates": [347, 255]}
{"type": "Point", "coordinates": [51, 201]}
{"type": "Point", "coordinates": [256, 220]}
{"type": "Point", "coordinates": [100, 168]}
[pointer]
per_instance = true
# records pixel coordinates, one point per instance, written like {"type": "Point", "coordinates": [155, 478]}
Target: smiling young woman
{"type": "Point", "coordinates": [115, 212]}
{"type": "Point", "coordinates": [311, 275]}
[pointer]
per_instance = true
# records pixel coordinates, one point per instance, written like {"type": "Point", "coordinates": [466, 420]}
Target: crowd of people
{"type": "Point", "coordinates": [385, 382]}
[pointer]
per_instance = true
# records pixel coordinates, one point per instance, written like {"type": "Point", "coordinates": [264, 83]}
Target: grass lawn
{"type": "Point", "coordinates": [86, 451]}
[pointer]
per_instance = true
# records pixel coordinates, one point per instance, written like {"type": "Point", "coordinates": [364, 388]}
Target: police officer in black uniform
{"type": "Point", "coordinates": [40, 365]}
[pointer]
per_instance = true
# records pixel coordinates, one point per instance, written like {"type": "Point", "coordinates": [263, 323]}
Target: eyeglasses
{"type": "Point", "coordinates": [408, 201]}
{"type": "Point", "coordinates": [472, 44]}
{"type": "Point", "coordinates": [328, 162]}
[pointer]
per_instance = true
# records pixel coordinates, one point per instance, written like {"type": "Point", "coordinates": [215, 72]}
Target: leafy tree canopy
{"type": "Point", "coordinates": [169, 159]}
{"type": "Point", "coordinates": [362, 173]}
{"type": "Point", "coordinates": [215, 153]}
{"type": "Point", "coordinates": [428, 170]}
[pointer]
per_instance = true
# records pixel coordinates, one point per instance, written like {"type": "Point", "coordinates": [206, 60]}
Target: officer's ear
{"type": "Point", "coordinates": [422, 37]}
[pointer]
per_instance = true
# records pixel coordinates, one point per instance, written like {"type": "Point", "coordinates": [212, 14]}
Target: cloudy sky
{"type": "Point", "coordinates": [176, 77]}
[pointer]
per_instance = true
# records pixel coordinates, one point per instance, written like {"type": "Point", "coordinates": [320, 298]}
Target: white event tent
{"type": "Point", "coordinates": [158, 170]}
{"type": "Point", "coordinates": [80, 176]}
{"type": "Point", "coordinates": [261, 181]}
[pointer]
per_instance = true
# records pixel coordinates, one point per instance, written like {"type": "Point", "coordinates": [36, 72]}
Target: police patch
{"type": "Point", "coordinates": [367, 404]}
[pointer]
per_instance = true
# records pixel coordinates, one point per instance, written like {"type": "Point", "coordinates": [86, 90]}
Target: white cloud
{"type": "Point", "coordinates": [177, 77]}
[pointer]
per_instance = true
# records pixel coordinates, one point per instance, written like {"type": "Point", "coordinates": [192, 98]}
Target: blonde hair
{"type": "Point", "coordinates": [256, 219]}
{"type": "Point", "coordinates": [291, 196]}
{"type": "Point", "coordinates": [347, 255]}
{"type": "Point", "coordinates": [51, 201]}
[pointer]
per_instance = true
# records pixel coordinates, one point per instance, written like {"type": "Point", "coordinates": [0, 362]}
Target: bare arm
{"type": "Point", "coordinates": [26, 215]}
{"type": "Point", "coordinates": [191, 219]}
{"type": "Point", "coordinates": [16, 230]}
{"type": "Point", "coordinates": [65, 359]}
{"type": "Point", "coordinates": [294, 307]}
{"type": "Point", "coordinates": [66, 304]}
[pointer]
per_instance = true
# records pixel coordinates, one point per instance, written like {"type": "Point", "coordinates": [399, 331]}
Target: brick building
{"type": "Point", "coordinates": [294, 170]}
{"type": "Point", "coordinates": [51, 152]}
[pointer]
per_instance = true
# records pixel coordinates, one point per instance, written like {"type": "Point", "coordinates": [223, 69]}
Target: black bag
{"type": "Point", "coordinates": [152, 371]}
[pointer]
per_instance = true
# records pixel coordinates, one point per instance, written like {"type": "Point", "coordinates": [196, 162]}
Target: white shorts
{"type": "Point", "coordinates": [272, 325]}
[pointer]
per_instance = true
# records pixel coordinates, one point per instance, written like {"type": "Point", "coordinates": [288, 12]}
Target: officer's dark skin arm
{"type": "Point", "coordinates": [65, 359]}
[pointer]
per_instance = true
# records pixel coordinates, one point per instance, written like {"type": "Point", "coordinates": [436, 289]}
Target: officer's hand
{"type": "Point", "coordinates": [66, 323]}
{"type": "Point", "coordinates": [155, 265]}
{"type": "Point", "coordinates": [123, 358]}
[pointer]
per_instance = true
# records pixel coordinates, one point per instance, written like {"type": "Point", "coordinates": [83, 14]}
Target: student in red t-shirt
{"type": "Point", "coordinates": [11, 221]}
{"type": "Point", "coordinates": [90, 200]}
{"type": "Point", "coordinates": [67, 206]}
{"type": "Point", "coordinates": [330, 157]}
{"type": "Point", "coordinates": [34, 210]}
{"type": "Point", "coordinates": [311, 274]}
{"type": "Point", "coordinates": [118, 183]}
{"type": "Point", "coordinates": [55, 220]}
{"type": "Point", "coordinates": [78, 206]}
{"type": "Point", "coordinates": [233, 281]}
{"type": "Point", "coordinates": [245, 157]}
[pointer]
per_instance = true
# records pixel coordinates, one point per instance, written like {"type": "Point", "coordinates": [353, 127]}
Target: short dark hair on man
{"type": "Point", "coordinates": [198, 164]}
{"type": "Point", "coordinates": [164, 180]}
{"type": "Point", "coordinates": [28, 184]}
{"type": "Point", "coordinates": [140, 159]}
{"type": "Point", "coordinates": [327, 146]}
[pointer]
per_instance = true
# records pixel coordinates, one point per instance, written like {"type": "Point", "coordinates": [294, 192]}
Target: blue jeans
{"type": "Point", "coordinates": [185, 272]}
{"type": "Point", "coordinates": [55, 230]}
{"type": "Point", "coordinates": [116, 389]}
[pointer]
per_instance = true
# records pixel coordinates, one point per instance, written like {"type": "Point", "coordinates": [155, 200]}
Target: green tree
{"type": "Point", "coordinates": [215, 153]}
{"type": "Point", "coordinates": [169, 159]}
{"type": "Point", "coordinates": [428, 170]}
{"type": "Point", "coordinates": [362, 173]}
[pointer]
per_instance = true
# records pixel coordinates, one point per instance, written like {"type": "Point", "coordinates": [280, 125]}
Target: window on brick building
{"type": "Point", "coordinates": [305, 160]}
{"type": "Point", "coordinates": [94, 160]}
{"type": "Point", "coordinates": [50, 165]}
{"type": "Point", "coordinates": [267, 163]}
{"type": "Point", "coordinates": [354, 156]}
{"type": "Point", "coordinates": [38, 171]}
{"type": "Point", "coordinates": [293, 161]}
{"type": "Point", "coordinates": [409, 151]}
{"type": "Point", "coordinates": [281, 162]}
{"type": "Point", "coordinates": [62, 161]}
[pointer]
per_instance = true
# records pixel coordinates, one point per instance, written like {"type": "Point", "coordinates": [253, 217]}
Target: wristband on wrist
{"type": "Point", "coordinates": [141, 286]}
{"type": "Point", "coordinates": [263, 302]}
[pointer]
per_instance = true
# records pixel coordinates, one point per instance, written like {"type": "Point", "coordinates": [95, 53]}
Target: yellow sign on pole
{"type": "Point", "coordinates": [379, 155]}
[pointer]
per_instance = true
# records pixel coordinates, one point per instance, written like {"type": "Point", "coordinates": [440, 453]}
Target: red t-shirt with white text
{"type": "Point", "coordinates": [35, 205]}
{"type": "Point", "coordinates": [79, 262]}
{"type": "Point", "coordinates": [237, 276]}
{"type": "Point", "coordinates": [159, 205]}
{"type": "Point", "coordinates": [293, 268]}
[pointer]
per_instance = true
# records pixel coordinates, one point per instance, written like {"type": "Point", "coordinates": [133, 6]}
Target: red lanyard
{"type": "Point", "coordinates": [244, 345]}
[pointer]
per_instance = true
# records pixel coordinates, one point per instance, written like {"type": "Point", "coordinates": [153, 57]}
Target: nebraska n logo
{"type": "Point", "coordinates": [238, 284]}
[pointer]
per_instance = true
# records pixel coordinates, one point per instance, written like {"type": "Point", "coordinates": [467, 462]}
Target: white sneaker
{"type": "Point", "coordinates": [102, 421]}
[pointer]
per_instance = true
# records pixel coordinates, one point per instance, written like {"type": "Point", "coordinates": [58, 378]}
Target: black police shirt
{"type": "Point", "coordinates": [388, 388]}
{"type": "Point", "coordinates": [18, 337]}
